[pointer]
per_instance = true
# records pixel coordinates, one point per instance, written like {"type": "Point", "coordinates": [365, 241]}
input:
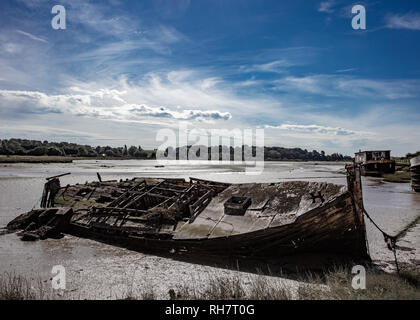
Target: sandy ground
{"type": "Point", "coordinates": [98, 271]}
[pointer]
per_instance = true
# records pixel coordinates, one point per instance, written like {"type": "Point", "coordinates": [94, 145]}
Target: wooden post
{"type": "Point", "coordinates": [354, 185]}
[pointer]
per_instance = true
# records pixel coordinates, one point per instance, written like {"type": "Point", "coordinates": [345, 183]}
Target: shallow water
{"type": "Point", "coordinates": [96, 270]}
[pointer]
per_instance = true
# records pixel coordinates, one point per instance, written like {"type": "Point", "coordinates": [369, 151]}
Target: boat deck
{"type": "Point", "coordinates": [196, 209]}
{"type": "Point", "coordinates": [272, 205]}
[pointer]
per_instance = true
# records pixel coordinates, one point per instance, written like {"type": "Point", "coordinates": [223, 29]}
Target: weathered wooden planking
{"type": "Point", "coordinates": [272, 205]}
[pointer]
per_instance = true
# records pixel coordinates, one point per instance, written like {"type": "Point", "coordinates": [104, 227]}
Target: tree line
{"type": "Point", "coordinates": [24, 147]}
{"type": "Point", "coordinates": [270, 153]}
{"type": "Point", "coordinates": [412, 155]}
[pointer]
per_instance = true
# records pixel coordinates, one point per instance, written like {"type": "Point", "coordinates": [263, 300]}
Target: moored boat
{"type": "Point", "coordinates": [375, 163]}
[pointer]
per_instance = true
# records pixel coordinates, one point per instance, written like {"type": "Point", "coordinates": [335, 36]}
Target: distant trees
{"type": "Point", "coordinates": [270, 153]}
{"type": "Point", "coordinates": [279, 153]}
{"type": "Point", "coordinates": [132, 151]}
{"type": "Point", "coordinates": [38, 148]}
{"type": "Point", "coordinates": [412, 155]}
{"type": "Point", "coordinates": [45, 148]}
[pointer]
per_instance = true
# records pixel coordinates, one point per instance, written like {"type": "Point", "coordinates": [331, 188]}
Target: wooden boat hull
{"type": "Point", "coordinates": [279, 219]}
{"type": "Point", "coordinates": [332, 230]}
{"type": "Point", "coordinates": [377, 168]}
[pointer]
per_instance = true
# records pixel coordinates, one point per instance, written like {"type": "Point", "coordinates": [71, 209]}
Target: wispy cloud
{"type": "Point", "coordinates": [346, 70]}
{"type": "Point", "coordinates": [31, 36]}
{"type": "Point", "coordinates": [313, 129]}
{"type": "Point", "coordinates": [326, 6]}
{"type": "Point", "coordinates": [347, 86]}
{"type": "Point", "coordinates": [409, 21]}
{"type": "Point", "coordinates": [277, 66]}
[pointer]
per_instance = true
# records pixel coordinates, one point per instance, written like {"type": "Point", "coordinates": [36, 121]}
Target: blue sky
{"type": "Point", "coordinates": [122, 70]}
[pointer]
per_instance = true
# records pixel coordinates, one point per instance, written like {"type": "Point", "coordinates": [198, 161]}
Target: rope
{"type": "Point", "coordinates": [389, 240]}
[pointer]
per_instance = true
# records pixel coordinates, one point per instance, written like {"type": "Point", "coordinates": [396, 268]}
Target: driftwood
{"type": "Point", "coordinates": [58, 176]}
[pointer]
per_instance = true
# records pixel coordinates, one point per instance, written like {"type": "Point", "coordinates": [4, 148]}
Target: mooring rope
{"type": "Point", "coordinates": [389, 240]}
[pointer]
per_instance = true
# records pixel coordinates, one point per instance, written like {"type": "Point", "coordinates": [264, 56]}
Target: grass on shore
{"type": "Point", "coordinates": [398, 177]}
{"type": "Point", "coordinates": [17, 287]}
{"type": "Point", "coordinates": [379, 286]}
{"type": "Point", "coordinates": [331, 285]}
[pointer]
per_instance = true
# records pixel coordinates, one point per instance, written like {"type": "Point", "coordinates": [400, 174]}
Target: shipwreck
{"type": "Point", "coordinates": [202, 217]}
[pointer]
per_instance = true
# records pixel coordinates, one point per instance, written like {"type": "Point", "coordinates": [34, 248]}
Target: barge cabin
{"type": "Point", "coordinates": [375, 163]}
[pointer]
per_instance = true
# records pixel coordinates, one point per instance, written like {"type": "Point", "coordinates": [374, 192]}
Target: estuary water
{"type": "Point", "coordinates": [96, 270]}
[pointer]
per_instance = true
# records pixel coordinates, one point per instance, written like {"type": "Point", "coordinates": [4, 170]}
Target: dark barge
{"type": "Point", "coordinates": [375, 163]}
{"type": "Point", "coordinates": [201, 217]}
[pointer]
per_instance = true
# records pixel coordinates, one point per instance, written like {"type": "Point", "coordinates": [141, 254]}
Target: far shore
{"type": "Point", "coordinates": [69, 159]}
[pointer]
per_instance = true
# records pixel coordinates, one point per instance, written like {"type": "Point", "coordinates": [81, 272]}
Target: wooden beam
{"type": "Point", "coordinates": [58, 176]}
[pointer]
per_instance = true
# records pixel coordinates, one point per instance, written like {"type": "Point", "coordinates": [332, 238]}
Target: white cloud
{"type": "Point", "coordinates": [102, 104]}
{"type": "Point", "coordinates": [409, 21]}
{"type": "Point", "coordinates": [326, 6]}
{"type": "Point", "coordinates": [162, 112]}
{"type": "Point", "coordinates": [313, 129]}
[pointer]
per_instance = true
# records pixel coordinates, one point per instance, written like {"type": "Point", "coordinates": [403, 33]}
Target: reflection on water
{"type": "Point", "coordinates": [392, 206]}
